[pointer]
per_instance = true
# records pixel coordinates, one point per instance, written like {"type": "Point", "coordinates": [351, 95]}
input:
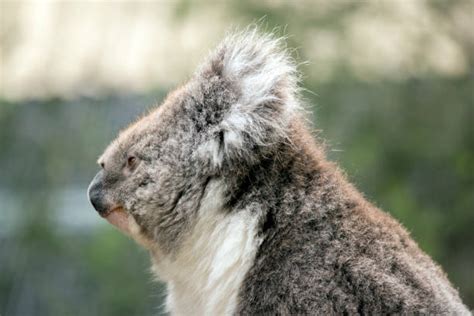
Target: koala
{"type": "Point", "coordinates": [242, 213]}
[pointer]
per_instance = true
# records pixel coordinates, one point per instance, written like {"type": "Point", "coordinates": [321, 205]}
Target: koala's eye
{"type": "Point", "coordinates": [131, 161]}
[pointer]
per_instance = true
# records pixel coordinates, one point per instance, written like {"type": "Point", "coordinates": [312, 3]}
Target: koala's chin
{"type": "Point", "coordinates": [241, 210]}
{"type": "Point", "coordinates": [120, 219]}
{"type": "Point", "coordinates": [125, 223]}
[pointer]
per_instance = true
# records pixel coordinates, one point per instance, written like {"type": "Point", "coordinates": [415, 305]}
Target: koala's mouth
{"type": "Point", "coordinates": [119, 218]}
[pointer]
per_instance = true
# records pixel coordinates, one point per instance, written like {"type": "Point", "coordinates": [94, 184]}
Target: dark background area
{"type": "Point", "coordinates": [403, 134]}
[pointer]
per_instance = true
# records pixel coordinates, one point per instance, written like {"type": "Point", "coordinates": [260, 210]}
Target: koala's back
{"type": "Point", "coordinates": [326, 250]}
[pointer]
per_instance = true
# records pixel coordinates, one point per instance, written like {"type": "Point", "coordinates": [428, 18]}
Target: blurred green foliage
{"type": "Point", "coordinates": [408, 144]}
{"type": "Point", "coordinates": [50, 265]}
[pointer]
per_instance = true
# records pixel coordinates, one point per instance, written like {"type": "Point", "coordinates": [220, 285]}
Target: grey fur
{"type": "Point", "coordinates": [325, 249]}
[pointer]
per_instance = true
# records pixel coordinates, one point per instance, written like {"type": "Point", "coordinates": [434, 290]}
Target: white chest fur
{"type": "Point", "coordinates": [206, 275]}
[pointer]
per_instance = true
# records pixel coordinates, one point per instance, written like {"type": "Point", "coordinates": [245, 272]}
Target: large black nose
{"type": "Point", "coordinates": [96, 193]}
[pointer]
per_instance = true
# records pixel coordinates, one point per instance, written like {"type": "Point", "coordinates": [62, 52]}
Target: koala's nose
{"type": "Point", "coordinates": [96, 194]}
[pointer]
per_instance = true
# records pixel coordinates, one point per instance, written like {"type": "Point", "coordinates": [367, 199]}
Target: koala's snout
{"type": "Point", "coordinates": [96, 193]}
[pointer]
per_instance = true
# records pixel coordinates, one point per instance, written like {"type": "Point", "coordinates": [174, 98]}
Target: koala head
{"type": "Point", "coordinates": [232, 113]}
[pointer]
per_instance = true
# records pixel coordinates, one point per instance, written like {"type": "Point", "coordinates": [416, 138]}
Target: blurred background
{"type": "Point", "coordinates": [390, 84]}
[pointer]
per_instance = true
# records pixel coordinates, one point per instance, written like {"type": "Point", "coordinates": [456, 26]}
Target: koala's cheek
{"type": "Point", "coordinates": [140, 201]}
{"type": "Point", "coordinates": [143, 194]}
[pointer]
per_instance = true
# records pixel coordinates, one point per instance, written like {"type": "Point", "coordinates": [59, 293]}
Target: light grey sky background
{"type": "Point", "coordinates": [73, 48]}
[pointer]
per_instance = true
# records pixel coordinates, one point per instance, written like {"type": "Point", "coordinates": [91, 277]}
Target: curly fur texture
{"type": "Point", "coordinates": [243, 214]}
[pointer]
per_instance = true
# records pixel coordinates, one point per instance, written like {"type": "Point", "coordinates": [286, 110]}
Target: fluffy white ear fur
{"type": "Point", "coordinates": [261, 70]}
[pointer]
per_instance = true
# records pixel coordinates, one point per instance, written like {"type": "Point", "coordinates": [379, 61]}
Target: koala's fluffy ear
{"type": "Point", "coordinates": [248, 88]}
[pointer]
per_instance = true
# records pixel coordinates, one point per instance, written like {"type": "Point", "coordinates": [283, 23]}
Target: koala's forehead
{"type": "Point", "coordinates": [129, 137]}
{"type": "Point", "coordinates": [146, 125]}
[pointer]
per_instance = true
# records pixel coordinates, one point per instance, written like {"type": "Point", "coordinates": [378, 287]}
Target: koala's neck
{"type": "Point", "coordinates": [205, 277]}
